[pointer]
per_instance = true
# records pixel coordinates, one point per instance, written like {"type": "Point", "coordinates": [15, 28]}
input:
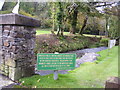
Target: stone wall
{"type": "Point", "coordinates": [17, 45]}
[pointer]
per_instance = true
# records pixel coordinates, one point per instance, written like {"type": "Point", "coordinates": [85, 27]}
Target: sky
{"type": "Point", "coordinates": [1, 3]}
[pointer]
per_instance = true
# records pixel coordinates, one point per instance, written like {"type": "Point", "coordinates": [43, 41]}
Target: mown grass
{"type": "Point", "coordinates": [47, 31]}
{"type": "Point", "coordinates": [88, 75]}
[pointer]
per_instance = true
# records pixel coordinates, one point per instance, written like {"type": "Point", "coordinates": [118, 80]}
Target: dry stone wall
{"type": "Point", "coordinates": [17, 43]}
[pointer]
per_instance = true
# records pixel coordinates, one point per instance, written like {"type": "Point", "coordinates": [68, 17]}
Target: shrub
{"type": "Point", "coordinates": [26, 14]}
{"type": "Point", "coordinates": [113, 31]}
{"type": "Point", "coordinates": [5, 12]}
{"type": "Point", "coordinates": [104, 42]}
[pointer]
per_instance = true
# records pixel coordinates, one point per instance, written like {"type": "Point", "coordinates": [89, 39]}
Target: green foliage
{"type": "Point", "coordinates": [8, 6]}
{"type": "Point", "coordinates": [113, 31]}
{"type": "Point", "coordinates": [104, 41]}
{"type": "Point", "coordinates": [46, 23]}
{"type": "Point", "coordinates": [5, 12]}
{"type": "Point", "coordinates": [61, 15]}
{"type": "Point", "coordinates": [27, 7]}
{"type": "Point", "coordinates": [57, 16]}
{"type": "Point", "coordinates": [51, 44]}
{"type": "Point", "coordinates": [95, 26]}
{"type": "Point", "coordinates": [97, 44]}
{"type": "Point", "coordinates": [26, 14]}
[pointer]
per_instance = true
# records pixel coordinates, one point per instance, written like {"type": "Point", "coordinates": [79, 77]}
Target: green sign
{"type": "Point", "coordinates": [50, 61]}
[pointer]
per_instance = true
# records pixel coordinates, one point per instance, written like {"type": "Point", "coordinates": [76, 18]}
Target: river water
{"type": "Point", "coordinates": [81, 52]}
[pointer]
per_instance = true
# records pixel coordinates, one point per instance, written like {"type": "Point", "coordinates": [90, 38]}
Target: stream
{"type": "Point", "coordinates": [79, 54]}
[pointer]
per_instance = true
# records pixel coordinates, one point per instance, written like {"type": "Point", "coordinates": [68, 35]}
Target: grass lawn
{"type": "Point", "coordinates": [47, 31]}
{"type": "Point", "coordinates": [92, 35]}
{"type": "Point", "coordinates": [88, 75]}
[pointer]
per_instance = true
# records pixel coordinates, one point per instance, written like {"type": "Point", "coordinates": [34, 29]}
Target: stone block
{"type": "Point", "coordinates": [6, 43]}
{"type": "Point", "coordinates": [10, 39]}
{"type": "Point", "coordinates": [6, 69]}
{"type": "Point", "coordinates": [15, 73]}
{"type": "Point", "coordinates": [112, 82]}
{"type": "Point", "coordinates": [27, 71]}
{"type": "Point", "coordinates": [17, 19]}
{"type": "Point", "coordinates": [2, 72]}
{"type": "Point", "coordinates": [6, 32]}
{"type": "Point", "coordinates": [10, 62]}
{"type": "Point", "coordinates": [1, 29]}
{"type": "Point", "coordinates": [2, 67]}
{"type": "Point", "coordinates": [7, 27]}
{"type": "Point", "coordinates": [0, 37]}
{"type": "Point", "coordinates": [1, 59]}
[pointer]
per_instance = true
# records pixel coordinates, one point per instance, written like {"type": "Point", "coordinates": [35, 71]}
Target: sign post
{"type": "Point", "coordinates": [55, 74]}
{"type": "Point", "coordinates": [49, 61]}
{"type": "Point", "coordinates": [56, 71]}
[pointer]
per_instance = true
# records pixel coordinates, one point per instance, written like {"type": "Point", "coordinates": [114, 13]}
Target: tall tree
{"type": "Point", "coordinates": [53, 11]}
{"type": "Point", "coordinates": [73, 14]}
{"type": "Point", "coordinates": [84, 25]}
{"type": "Point", "coordinates": [59, 17]}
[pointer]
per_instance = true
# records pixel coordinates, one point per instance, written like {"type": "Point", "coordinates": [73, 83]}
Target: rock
{"type": "Point", "coordinates": [6, 43]}
{"type": "Point", "coordinates": [10, 62]}
{"type": "Point", "coordinates": [15, 73]}
{"type": "Point", "coordinates": [88, 57]}
{"type": "Point", "coordinates": [7, 27]}
{"type": "Point", "coordinates": [11, 39]}
{"type": "Point", "coordinates": [6, 32]}
{"type": "Point", "coordinates": [4, 81]}
{"type": "Point", "coordinates": [112, 82]}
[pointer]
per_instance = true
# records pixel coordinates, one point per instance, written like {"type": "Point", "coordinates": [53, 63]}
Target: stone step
{"type": "Point", "coordinates": [4, 81]}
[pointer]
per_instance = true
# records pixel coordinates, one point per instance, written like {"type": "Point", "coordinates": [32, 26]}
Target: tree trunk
{"type": "Point", "coordinates": [84, 25]}
{"type": "Point", "coordinates": [53, 16]}
{"type": "Point", "coordinates": [59, 17]}
{"type": "Point", "coordinates": [106, 27]}
{"type": "Point", "coordinates": [53, 27]}
{"type": "Point", "coordinates": [74, 21]}
{"type": "Point", "coordinates": [58, 30]}
{"type": "Point", "coordinates": [35, 7]}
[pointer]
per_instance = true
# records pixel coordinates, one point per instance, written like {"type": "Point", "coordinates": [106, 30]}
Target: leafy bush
{"type": "Point", "coordinates": [5, 12]}
{"type": "Point", "coordinates": [104, 41]}
{"type": "Point", "coordinates": [26, 14]}
{"type": "Point", "coordinates": [113, 31]}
